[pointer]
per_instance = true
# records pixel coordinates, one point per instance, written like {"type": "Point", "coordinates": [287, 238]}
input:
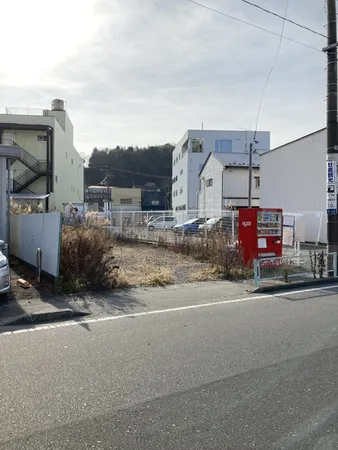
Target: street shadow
{"type": "Point", "coordinates": [308, 294]}
{"type": "Point", "coordinates": [21, 301]}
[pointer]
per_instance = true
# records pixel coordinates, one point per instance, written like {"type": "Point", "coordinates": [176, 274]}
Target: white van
{"type": "Point", "coordinates": [162, 223]}
{"type": "Point", "coordinates": [5, 274]}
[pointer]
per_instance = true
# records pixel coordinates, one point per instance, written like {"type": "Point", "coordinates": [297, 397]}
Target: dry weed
{"type": "Point", "coordinates": [86, 258]}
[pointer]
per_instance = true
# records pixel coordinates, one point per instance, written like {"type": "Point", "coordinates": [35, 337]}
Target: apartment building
{"type": "Point", "coordinates": [192, 151]}
{"type": "Point", "coordinates": [224, 180]}
{"type": "Point", "coordinates": [49, 167]}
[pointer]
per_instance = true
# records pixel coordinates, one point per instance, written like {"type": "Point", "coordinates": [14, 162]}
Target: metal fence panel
{"type": "Point", "coordinates": [150, 226]}
{"type": "Point", "coordinates": [300, 267]}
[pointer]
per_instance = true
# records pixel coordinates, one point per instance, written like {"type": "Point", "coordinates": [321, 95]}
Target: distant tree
{"type": "Point", "coordinates": [131, 166]}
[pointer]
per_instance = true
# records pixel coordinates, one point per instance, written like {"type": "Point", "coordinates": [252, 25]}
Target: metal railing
{"type": "Point", "coordinates": [24, 111]}
{"type": "Point", "coordinates": [26, 158]}
{"type": "Point", "coordinates": [150, 226]}
{"type": "Point", "coordinates": [299, 267]}
{"type": "Point", "coordinates": [25, 177]}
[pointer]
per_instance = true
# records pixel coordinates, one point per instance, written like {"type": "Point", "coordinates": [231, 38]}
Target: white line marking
{"type": "Point", "coordinates": [161, 311]}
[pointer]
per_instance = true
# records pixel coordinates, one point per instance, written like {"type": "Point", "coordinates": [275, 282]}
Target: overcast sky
{"type": "Point", "coordinates": [139, 72]}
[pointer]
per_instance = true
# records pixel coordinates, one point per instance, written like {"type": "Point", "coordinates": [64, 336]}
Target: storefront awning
{"type": "Point", "coordinates": [29, 196]}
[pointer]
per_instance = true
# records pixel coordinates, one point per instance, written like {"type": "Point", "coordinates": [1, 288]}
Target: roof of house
{"type": "Point", "coordinates": [232, 160]}
{"type": "Point", "coordinates": [295, 140]}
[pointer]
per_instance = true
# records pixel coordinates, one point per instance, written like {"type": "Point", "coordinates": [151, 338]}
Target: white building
{"type": "Point", "coordinates": [224, 179]}
{"type": "Point", "coordinates": [49, 167]}
{"type": "Point", "coordinates": [293, 177]}
{"type": "Point", "coordinates": [191, 152]}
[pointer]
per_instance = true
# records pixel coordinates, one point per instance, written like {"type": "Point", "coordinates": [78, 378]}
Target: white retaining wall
{"type": "Point", "coordinates": [32, 231]}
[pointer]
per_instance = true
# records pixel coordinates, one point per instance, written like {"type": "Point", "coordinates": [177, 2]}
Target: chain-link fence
{"type": "Point", "coordinates": [150, 226]}
{"type": "Point", "coordinates": [299, 267]}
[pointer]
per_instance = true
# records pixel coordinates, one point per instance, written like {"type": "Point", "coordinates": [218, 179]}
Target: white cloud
{"type": "Point", "coordinates": [143, 71]}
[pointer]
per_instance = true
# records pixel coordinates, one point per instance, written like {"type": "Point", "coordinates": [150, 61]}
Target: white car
{"type": "Point", "coordinates": [5, 274]}
{"type": "Point", "coordinates": [162, 223]}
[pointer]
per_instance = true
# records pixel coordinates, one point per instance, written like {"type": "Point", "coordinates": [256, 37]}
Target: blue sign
{"type": "Point", "coordinates": [331, 172]}
{"type": "Point", "coordinates": [331, 211]}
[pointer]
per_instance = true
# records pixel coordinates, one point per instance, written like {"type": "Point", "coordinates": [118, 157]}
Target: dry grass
{"type": "Point", "coordinates": [86, 258]}
{"type": "Point", "coordinates": [206, 274]}
{"type": "Point", "coordinates": [149, 265]}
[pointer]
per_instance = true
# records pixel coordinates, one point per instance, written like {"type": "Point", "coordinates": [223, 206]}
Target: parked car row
{"type": "Point", "coordinates": [196, 226]}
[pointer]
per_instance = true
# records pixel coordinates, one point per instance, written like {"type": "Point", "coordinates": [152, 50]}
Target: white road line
{"type": "Point", "coordinates": [160, 311]}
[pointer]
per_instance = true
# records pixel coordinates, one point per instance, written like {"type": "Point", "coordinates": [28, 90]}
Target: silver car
{"type": "Point", "coordinates": [5, 274]}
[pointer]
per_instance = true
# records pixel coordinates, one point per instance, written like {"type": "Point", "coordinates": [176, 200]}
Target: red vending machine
{"type": "Point", "coordinates": [260, 233]}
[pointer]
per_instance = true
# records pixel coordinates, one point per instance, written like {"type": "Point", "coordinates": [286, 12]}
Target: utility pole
{"type": "Point", "coordinates": [250, 175]}
{"type": "Point", "coordinates": [332, 129]}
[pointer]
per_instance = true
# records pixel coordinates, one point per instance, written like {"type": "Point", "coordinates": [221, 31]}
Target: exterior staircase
{"type": "Point", "coordinates": [35, 168]}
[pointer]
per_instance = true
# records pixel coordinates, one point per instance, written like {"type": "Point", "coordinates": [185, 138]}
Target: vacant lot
{"type": "Point", "coordinates": [149, 265]}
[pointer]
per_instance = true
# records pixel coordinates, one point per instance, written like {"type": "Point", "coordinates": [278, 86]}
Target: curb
{"type": "Point", "coordinates": [33, 318]}
{"type": "Point", "coordinates": [299, 284]}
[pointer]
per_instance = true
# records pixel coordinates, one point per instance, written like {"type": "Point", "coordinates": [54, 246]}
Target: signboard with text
{"type": "Point", "coordinates": [331, 187]}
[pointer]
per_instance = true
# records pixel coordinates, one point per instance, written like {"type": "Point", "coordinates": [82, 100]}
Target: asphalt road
{"type": "Point", "coordinates": [256, 372]}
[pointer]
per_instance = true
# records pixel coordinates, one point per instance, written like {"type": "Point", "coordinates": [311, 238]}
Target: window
{"type": "Point", "coordinates": [208, 182]}
{"type": "Point", "coordinates": [173, 193]}
{"type": "Point", "coordinates": [41, 137]}
{"type": "Point", "coordinates": [174, 179]}
{"type": "Point", "coordinates": [155, 202]}
{"type": "Point", "coordinates": [174, 161]}
{"type": "Point", "coordinates": [257, 182]}
{"type": "Point", "coordinates": [126, 201]}
{"type": "Point", "coordinates": [181, 190]}
{"type": "Point", "coordinates": [181, 172]}
{"type": "Point", "coordinates": [197, 145]}
{"type": "Point", "coordinates": [223, 146]}
{"type": "Point", "coordinates": [72, 161]}
{"type": "Point", "coordinates": [176, 192]}
{"type": "Point", "coordinates": [56, 178]}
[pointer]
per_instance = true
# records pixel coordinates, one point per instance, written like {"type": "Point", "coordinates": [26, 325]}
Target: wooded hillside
{"type": "Point", "coordinates": [132, 166]}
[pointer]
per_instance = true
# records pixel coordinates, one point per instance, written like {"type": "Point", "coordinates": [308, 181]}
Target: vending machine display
{"type": "Point", "coordinates": [269, 223]}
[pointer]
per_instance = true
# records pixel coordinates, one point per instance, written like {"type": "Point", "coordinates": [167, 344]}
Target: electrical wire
{"type": "Point", "coordinates": [272, 67]}
{"type": "Point", "coordinates": [286, 20]}
{"type": "Point", "coordinates": [111, 169]}
{"type": "Point", "coordinates": [253, 25]}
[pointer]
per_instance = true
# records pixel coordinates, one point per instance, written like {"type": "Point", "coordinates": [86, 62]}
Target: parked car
{"type": "Point", "coordinates": [5, 274]}
{"type": "Point", "coordinates": [190, 226]}
{"type": "Point", "coordinates": [162, 223]}
{"type": "Point", "coordinates": [216, 225]}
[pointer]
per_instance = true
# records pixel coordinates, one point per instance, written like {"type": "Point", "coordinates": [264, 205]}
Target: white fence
{"type": "Point", "coordinates": [310, 226]}
{"type": "Point", "coordinates": [304, 227]}
{"type": "Point", "coordinates": [148, 226]}
{"type": "Point", "coordinates": [32, 231]}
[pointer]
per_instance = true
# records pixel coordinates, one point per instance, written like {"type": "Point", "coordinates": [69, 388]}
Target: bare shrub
{"type": "Point", "coordinates": [86, 258]}
{"type": "Point", "coordinates": [19, 208]}
{"type": "Point", "coordinates": [225, 259]}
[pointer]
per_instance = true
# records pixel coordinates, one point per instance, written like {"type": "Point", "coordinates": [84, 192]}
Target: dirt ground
{"type": "Point", "coordinates": [148, 265]}
{"type": "Point", "coordinates": [140, 265]}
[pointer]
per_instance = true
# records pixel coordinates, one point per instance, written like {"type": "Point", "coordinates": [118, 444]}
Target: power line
{"type": "Point", "coordinates": [272, 67]}
{"type": "Point", "coordinates": [283, 18]}
{"type": "Point", "coordinates": [253, 25]}
{"type": "Point", "coordinates": [111, 169]}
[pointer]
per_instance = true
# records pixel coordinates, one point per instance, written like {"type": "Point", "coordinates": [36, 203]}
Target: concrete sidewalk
{"type": "Point", "coordinates": [47, 307]}
{"type": "Point", "coordinates": [15, 311]}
